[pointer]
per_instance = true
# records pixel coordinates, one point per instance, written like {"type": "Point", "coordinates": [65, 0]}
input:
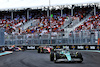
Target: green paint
{"type": "Point", "coordinates": [67, 55]}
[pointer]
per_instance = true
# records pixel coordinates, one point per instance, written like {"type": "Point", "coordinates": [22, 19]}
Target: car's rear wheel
{"type": "Point", "coordinates": [38, 50]}
{"type": "Point", "coordinates": [80, 56]}
{"type": "Point", "coordinates": [23, 49]}
{"type": "Point", "coordinates": [51, 56]}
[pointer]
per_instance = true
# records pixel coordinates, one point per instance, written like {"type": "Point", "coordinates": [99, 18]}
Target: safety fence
{"type": "Point", "coordinates": [2, 39]}
{"type": "Point", "coordinates": [74, 38]}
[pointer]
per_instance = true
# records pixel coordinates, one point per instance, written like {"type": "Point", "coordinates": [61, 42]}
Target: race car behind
{"type": "Point", "coordinates": [15, 48]}
{"type": "Point", "coordinates": [45, 49]}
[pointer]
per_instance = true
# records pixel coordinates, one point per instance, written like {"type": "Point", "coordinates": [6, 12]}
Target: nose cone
{"type": "Point", "coordinates": [68, 56]}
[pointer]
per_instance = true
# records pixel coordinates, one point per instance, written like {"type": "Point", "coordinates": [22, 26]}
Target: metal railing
{"type": "Point", "coordinates": [82, 37]}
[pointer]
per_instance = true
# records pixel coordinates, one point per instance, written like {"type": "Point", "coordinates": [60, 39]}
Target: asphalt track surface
{"type": "Point", "coordinates": [31, 58]}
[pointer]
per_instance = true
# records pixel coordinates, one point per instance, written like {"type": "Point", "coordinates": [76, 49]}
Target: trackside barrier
{"type": "Point", "coordinates": [82, 37]}
{"type": "Point", "coordinates": [71, 47]}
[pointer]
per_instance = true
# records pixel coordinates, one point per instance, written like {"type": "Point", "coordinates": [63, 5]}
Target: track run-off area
{"type": "Point", "coordinates": [30, 58]}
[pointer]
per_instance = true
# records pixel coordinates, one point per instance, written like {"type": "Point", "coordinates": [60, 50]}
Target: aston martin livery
{"type": "Point", "coordinates": [65, 55]}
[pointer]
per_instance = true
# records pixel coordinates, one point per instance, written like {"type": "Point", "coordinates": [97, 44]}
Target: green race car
{"type": "Point", "coordinates": [63, 55]}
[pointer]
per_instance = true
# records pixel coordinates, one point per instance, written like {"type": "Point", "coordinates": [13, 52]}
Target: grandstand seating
{"type": "Point", "coordinates": [92, 23]}
{"type": "Point", "coordinates": [11, 25]}
{"type": "Point", "coordinates": [45, 25]}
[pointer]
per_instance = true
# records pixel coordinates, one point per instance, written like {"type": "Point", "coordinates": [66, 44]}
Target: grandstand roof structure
{"type": "Point", "coordinates": [22, 4]}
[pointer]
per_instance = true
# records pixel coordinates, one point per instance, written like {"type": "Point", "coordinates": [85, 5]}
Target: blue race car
{"type": "Point", "coordinates": [64, 55]}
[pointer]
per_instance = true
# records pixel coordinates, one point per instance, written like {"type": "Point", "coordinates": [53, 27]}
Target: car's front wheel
{"type": "Point", "coordinates": [51, 56]}
{"type": "Point", "coordinates": [57, 57]}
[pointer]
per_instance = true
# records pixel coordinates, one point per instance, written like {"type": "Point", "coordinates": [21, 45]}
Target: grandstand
{"type": "Point", "coordinates": [51, 24]}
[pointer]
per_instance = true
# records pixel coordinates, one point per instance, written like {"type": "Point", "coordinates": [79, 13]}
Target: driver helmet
{"type": "Point", "coordinates": [64, 49]}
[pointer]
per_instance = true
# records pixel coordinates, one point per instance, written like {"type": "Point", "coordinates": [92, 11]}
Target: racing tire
{"type": "Point", "coordinates": [23, 49]}
{"type": "Point", "coordinates": [42, 51]}
{"type": "Point", "coordinates": [57, 56]}
{"type": "Point", "coordinates": [80, 56]}
{"type": "Point", "coordinates": [3, 49]}
{"type": "Point", "coordinates": [52, 57]}
{"type": "Point", "coordinates": [39, 50]}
